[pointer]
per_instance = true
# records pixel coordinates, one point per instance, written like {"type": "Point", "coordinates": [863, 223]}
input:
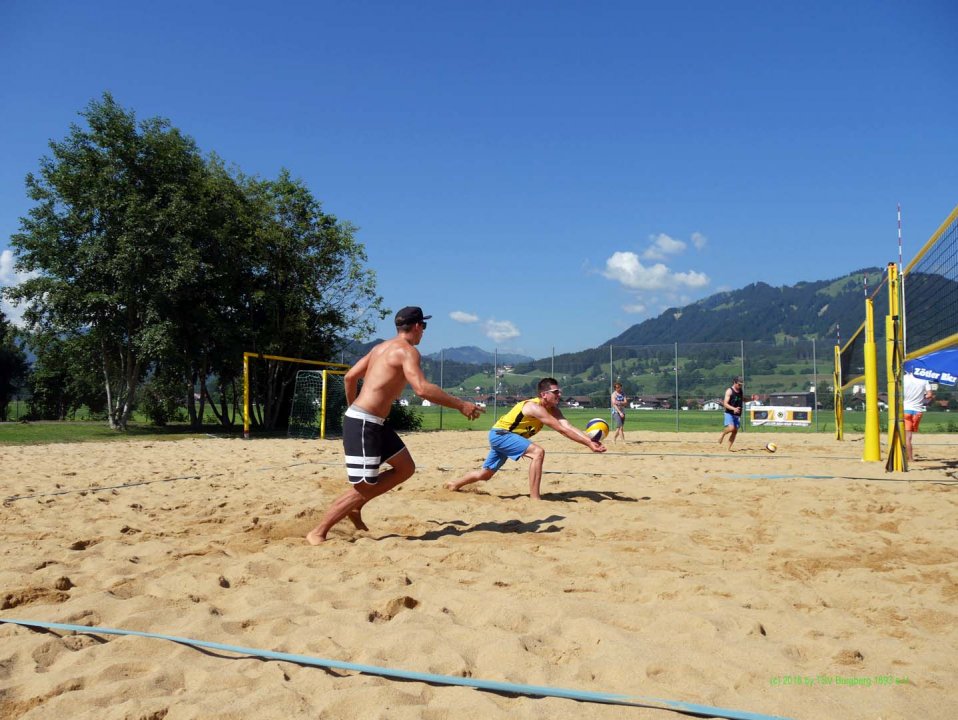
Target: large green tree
{"type": "Point", "coordinates": [170, 265]}
{"type": "Point", "coordinates": [111, 238]}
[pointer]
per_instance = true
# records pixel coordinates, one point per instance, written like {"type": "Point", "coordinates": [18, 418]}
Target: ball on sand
{"type": "Point", "coordinates": [596, 429]}
{"type": "Point", "coordinates": [771, 447]}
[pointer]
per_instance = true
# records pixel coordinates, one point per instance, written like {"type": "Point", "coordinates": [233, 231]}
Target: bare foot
{"type": "Point", "coordinates": [357, 519]}
{"type": "Point", "coordinates": [451, 485]}
{"type": "Point", "coordinates": [314, 538]}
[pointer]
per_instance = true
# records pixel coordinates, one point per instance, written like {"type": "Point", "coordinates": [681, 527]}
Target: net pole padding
{"type": "Point", "coordinates": [872, 449]}
{"type": "Point", "coordinates": [261, 356]}
{"type": "Point", "coordinates": [896, 448]}
{"type": "Point", "coordinates": [838, 398]}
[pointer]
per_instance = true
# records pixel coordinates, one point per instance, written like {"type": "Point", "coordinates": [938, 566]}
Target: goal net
{"type": "Point", "coordinates": [319, 401]}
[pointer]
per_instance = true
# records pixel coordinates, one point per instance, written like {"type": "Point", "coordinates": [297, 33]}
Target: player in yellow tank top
{"type": "Point", "coordinates": [518, 422]}
{"type": "Point", "coordinates": [509, 437]}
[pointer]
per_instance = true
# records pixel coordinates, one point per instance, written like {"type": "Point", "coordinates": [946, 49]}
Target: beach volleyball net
{"type": "Point", "coordinates": [919, 314]}
{"type": "Point", "coordinates": [319, 401]}
{"type": "Point", "coordinates": [851, 356]}
{"type": "Point", "coordinates": [928, 305]}
{"type": "Point", "coordinates": [930, 285]}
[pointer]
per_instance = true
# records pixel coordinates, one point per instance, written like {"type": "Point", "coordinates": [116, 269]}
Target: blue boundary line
{"type": "Point", "coordinates": [500, 687]}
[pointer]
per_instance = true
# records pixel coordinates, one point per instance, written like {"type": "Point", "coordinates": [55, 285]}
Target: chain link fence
{"type": "Point", "coordinates": [680, 379]}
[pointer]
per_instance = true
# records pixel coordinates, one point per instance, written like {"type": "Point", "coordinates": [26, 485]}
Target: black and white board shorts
{"type": "Point", "coordinates": [367, 443]}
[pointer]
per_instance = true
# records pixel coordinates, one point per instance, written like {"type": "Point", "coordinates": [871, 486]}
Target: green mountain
{"type": "Point", "coordinates": [473, 355]}
{"type": "Point", "coordinates": [762, 312]}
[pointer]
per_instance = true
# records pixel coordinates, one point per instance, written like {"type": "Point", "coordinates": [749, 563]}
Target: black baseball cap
{"type": "Point", "coordinates": [410, 316]}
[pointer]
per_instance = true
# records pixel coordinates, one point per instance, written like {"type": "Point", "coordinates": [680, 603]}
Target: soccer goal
{"type": "Point", "coordinates": [319, 401]}
{"type": "Point", "coordinates": [274, 380]}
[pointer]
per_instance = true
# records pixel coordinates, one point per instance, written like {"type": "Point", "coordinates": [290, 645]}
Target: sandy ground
{"type": "Point", "coordinates": [804, 584]}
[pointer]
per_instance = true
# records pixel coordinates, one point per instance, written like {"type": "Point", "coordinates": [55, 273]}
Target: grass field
{"type": "Point", "coordinates": [17, 433]}
{"type": "Point", "coordinates": [435, 418]}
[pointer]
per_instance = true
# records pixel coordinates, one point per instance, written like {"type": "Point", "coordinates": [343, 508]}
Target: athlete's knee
{"type": "Point", "coordinates": [536, 452]}
{"type": "Point", "coordinates": [403, 466]}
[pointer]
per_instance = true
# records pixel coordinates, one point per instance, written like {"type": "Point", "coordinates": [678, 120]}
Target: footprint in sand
{"type": "Point", "coordinates": [393, 608]}
{"type": "Point", "coordinates": [28, 596]}
{"type": "Point", "coordinates": [82, 544]}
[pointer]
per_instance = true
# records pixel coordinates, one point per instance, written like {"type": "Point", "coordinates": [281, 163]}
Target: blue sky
{"type": "Point", "coordinates": [535, 175]}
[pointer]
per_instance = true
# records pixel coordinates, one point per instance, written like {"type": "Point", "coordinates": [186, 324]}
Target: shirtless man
{"type": "Point", "coordinates": [509, 437]}
{"type": "Point", "coordinates": [367, 441]}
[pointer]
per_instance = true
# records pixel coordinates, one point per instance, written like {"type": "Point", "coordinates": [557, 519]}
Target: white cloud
{"type": "Point", "coordinates": [627, 269]}
{"type": "Point", "coordinates": [7, 274]}
{"type": "Point", "coordinates": [699, 240]}
{"type": "Point", "coordinates": [636, 309]}
{"type": "Point", "coordinates": [500, 330]}
{"type": "Point", "coordinates": [663, 246]}
{"type": "Point", "coordinates": [463, 317]}
{"type": "Point", "coordinates": [9, 277]}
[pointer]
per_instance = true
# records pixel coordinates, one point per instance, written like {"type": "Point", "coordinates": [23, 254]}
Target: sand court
{"type": "Point", "coordinates": [801, 584]}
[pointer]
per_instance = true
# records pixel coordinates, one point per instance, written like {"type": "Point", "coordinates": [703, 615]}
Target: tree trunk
{"type": "Point", "coordinates": [198, 419]}
{"type": "Point", "coordinates": [133, 372]}
{"type": "Point", "coordinates": [191, 400]}
{"type": "Point", "coordinates": [106, 383]}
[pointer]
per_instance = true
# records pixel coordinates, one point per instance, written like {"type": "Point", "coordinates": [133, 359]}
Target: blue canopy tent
{"type": "Point", "coordinates": [940, 366]}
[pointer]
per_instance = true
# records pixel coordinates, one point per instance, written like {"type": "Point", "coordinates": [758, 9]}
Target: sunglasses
{"type": "Point", "coordinates": [423, 323]}
{"type": "Point", "coordinates": [555, 392]}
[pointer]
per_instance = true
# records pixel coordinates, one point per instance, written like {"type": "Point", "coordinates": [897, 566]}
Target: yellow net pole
{"type": "Point", "coordinates": [872, 450]}
{"type": "Point", "coordinates": [893, 362]}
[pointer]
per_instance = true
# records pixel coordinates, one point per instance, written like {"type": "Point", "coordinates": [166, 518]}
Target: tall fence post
{"type": "Point", "coordinates": [815, 380]}
{"type": "Point", "coordinates": [495, 383]}
{"type": "Point", "coordinates": [611, 376]}
{"type": "Point", "coordinates": [675, 369]}
{"type": "Point", "coordinates": [742, 422]}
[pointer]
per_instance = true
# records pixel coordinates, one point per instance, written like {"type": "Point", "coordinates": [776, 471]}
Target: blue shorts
{"type": "Point", "coordinates": [503, 446]}
{"type": "Point", "coordinates": [733, 420]}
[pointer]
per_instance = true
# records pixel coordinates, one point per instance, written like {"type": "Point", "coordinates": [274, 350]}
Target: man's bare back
{"type": "Point", "coordinates": [384, 375]}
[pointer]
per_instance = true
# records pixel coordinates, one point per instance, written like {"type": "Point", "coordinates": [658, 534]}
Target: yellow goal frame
{"type": "Point", "coordinates": [260, 356]}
